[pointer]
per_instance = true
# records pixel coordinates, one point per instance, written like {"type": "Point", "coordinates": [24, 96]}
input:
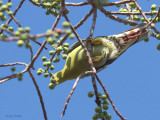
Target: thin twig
{"type": "Point", "coordinates": [131, 13]}
{"type": "Point", "coordinates": [39, 94]}
{"type": "Point", "coordinates": [76, 4]}
{"type": "Point", "coordinates": [117, 3]}
{"type": "Point", "coordinates": [73, 88]}
{"type": "Point", "coordinates": [12, 64]}
{"type": "Point", "coordinates": [109, 98]}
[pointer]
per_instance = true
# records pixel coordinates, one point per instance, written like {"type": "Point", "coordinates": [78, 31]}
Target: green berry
{"type": "Point", "coordinates": [3, 18]}
{"type": "Point", "coordinates": [4, 7]}
{"type": "Point", "coordinates": [100, 115]}
{"type": "Point", "coordinates": [1, 14]}
{"type": "Point", "coordinates": [158, 19]}
{"type": "Point", "coordinates": [56, 35]}
{"type": "Point", "coordinates": [46, 74]}
{"type": "Point", "coordinates": [38, 72]}
{"type": "Point", "coordinates": [132, 5]}
{"type": "Point", "coordinates": [71, 36]}
{"type": "Point", "coordinates": [52, 67]}
{"type": "Point", "coordinates": [66, 45]}
{"type": "Point", "coordinates": [19, 78]}
{"type": "Point", "coordinates": [135, 10]}
{"type": "Point", "coordinates": [45, 64]}
{"type": "Point", "coordinates": [40, 69]}
{"type": "Point", "coordinates": [54, 4]}
{"type": "Point", "coordinates": [28, 45]}
{"type": "Point", "coordinates": [65, 49]}
{"type": "Point", "coordinates": [105, 102]}
{"type": "Point", "coordinates": [27, 29]}
{"type": "Point", "coordinates": [48, 5]}
{"type": "Point", "coordinates": [158, 46]}
{"type": "Point", "coordinates": [154, 12]}
{"type": "Point", "coordinates": [108, 117]}
{"type": "Point", "coordinates": [10, 29]}
{"type": "Point", "coordinates": [146, 40]}
{"type": "Point", "coordinates": [51, 86]}
{"type": "Point", "coordinates": [23, 37]}
{"type": "Point", "coordinates": [44, 58]}
{"type": "Point", "coordinates": [121, 10]}
{"type": "Point", "coordinates": [150, 19]}
{"type": "Point", "coordinates": [51, 40]}
{"type": "Point", "coordinates": [142, 19]}
{"type": "Point", "coordinates": [103, 97]}
{"type": "Point", "coordinates": [9, 4]}
{"type": "Point", "coordinates": [68, 32]}
{"type": "Point", "coordinates": [13, 69]}
{"type": "Point", "coordinates": [38, 1]}
{"type": "Point", "coordinates": [105, 106]}
{"type": "Point", "coordinates": [51, 52]}
{"type": "Point", "coordinates": [90, 94]}
{"type": "Point", "coordinates": [105, 113]}
{"type": "Point", "coordinates": [95, 117]}
{"type": "Point", "coordinates": [20, 43]}
{"type": "Point", "coordinates": [158, 36]}
{"type": "Point", "coordinates": [10, 13]}
{"type": "Point", "coordinates": [20, 29]}
{"type": "Point", "coordinates": [64, 56]}
{"type": "Point", "coordinates": [154, 6]}
{"type": "Point", "coordinates": [59, 49]}
{"type": "Point", "coordinates": [125, 10]}
{"type": "Point", "coordinates": [48, 64]}
{"type": "Point", "coordinates": [128, 18]}
{"type": "Point", "coordinates": [4, 25]}
{"type": "Point", "coordinates": [98, 110]}
{"type": "Point", "coordinates": [66, 24]}
{"type": "Point", "coordinates": [153, 25]}
{"type": "Point", "coordinates": [119, 5]}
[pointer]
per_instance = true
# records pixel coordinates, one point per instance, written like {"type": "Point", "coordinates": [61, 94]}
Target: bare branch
{"type": "Point", "coordinates": [117, 3]}
{"type": "Point", "coordinates": [12, 64]}
{"type": "Point", "coordinates": [39, 94]}
{"type": "Point", "coordinates": [76, 4]}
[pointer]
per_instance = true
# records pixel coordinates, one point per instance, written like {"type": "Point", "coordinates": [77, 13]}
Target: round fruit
{"type": "Point", "coordinates": [44, 58]}
{"type": "Point", "coordinates": [98, 110]}
{"type": "Point", "coordinates": [66, 24]}
{"type": "Point", "coordinates": [105, 106]}
{"type": "Point", "coordinates": [158, 46]}
{"type": "Point", "coordinates": [90, 94]}
{"type": "Point", "coordinates": [158, 36]}
{"type": "Point", "coordinates": [20, 43]}
{"type": "Point", "coordinates": [103, 97]}
{"type": "Point", "coordinates": [38, 72]}
{"type": "Point", "coordinates": [154, 6]}
{"type": "Point", "coordinates": [46, 74]}
{"type": "Point", "coordinates": [51, 86]}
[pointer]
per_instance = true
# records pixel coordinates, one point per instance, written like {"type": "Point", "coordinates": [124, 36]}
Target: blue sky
{"type": "Point", "coordinates": [132, 80]}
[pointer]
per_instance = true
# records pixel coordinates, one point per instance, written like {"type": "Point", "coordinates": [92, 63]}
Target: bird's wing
{"type": "Point", "coordinates": [75, 45]}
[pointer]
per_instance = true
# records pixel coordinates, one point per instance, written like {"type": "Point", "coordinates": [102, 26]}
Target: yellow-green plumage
{"type": "Point", "coordinates": [77, 62]}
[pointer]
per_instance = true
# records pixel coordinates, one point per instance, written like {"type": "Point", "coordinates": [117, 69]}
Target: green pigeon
{"type": "Point", "coordinates": [104, 50]}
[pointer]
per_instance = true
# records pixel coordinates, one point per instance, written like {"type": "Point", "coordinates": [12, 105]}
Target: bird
{"type": "Point", "coordinates": [104, 51]}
